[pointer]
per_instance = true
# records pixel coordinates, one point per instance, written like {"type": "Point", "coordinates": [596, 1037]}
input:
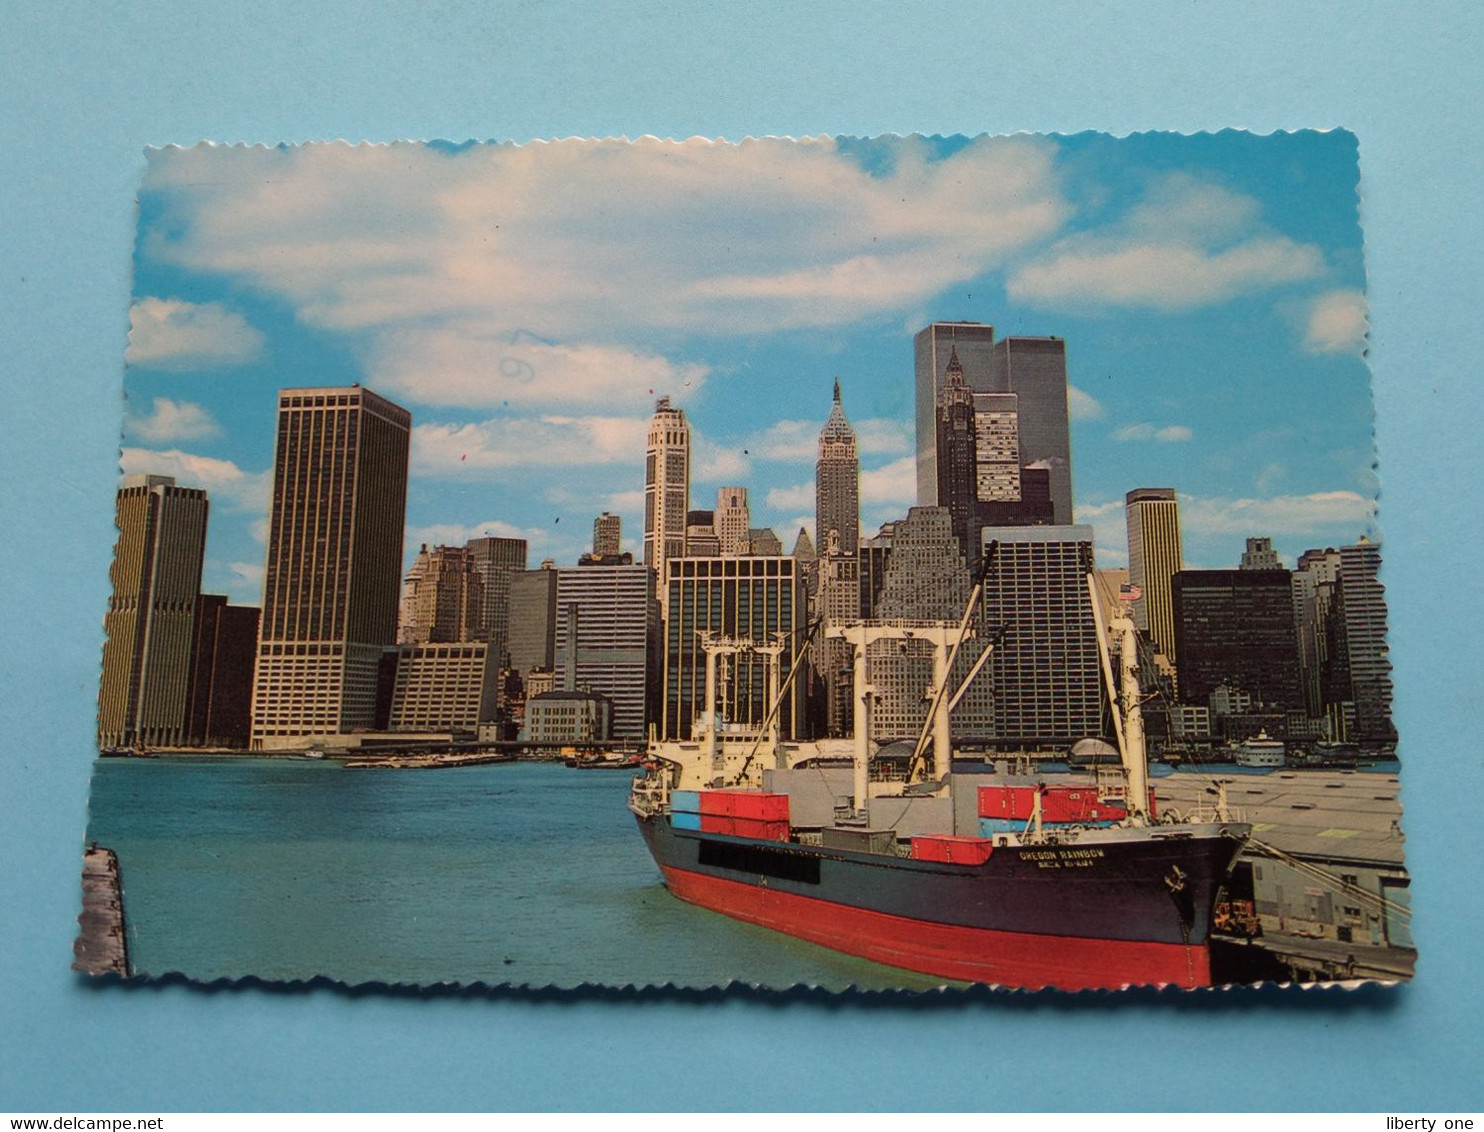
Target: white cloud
{"type": "Point", "coordinates": [546, 441]}
{"type": "Point", "coordinates": [625, 502]}
{"type": "Point", "coordinates": [1338, 322]}
{"type": "Point", "coordinates": [172, 334]}
{"type": "Point", "coordinates": [1166, 434]}
{"type": "Point", "coordinates": [790, 498]}
{"type": "Point", "coordinates": [1083, 406]}
{"type": "Point", "coordinates": [712, 463]}
{"type": "Point", "coordinates": [1189, 243]}
{"type": "Point", "coordinates": [1110, 530]}
{"type": "Point", "coordinates": [797, 442]}
{"type": "Point", "coordinates": [895, 483]}
{"type": "Point", "coordinates": [223, 480]}
{"type": "Point", "coordinates": [168, 420]}
{"type": "Point", "coordinates": [1277, 515]}
{"type": "Point", "coordinates": [462, 269]}
{"type": "Point", "coordinates": [457, 534]}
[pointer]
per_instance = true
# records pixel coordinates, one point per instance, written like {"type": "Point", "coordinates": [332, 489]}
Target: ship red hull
{"type": "Point", "coordinates": [980, 955]}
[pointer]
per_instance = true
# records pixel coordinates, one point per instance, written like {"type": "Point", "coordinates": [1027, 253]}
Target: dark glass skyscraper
{"type": "Point", "coordinates": [1236, 627]}
{"type": "Point", "coordinates": [330, 588]}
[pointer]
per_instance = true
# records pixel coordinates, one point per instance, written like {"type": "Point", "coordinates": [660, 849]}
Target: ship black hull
{"type": "Point", "coordinates": [1123, 911]}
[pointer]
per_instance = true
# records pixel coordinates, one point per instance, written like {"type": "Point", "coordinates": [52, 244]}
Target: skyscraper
{"type": "Point", "coordinates": [933, 346]}
{"type": "Point", "coordinates": [925, 579]}
{"type": "Point", "coordinates": [1315, 582]}
{"type": "Point", "coordinates": [1044, 674]}
{"type": "Point", "coordinates": [330, 587]}
{"type": "Point", "coordinates": [700, 534]}
{"type": "Point", "coordinates": [731, 522]}
{"type": "Point", "coordinates": [1035, 370]}
{"type": "Point", "coordinates": [957, 457]}
{"type": "Point", "coordinates": [495, 561]}
{"type": "Point", "coordinates": [666, 485]}
{"type": "Point", "coordinates": [145, 688]}
{"type": "Point", "coordinates": [753, 597]}
{"type": "Point", "coordinates": [837, 598]}
{"type": "Point", "coordinates": [1235, 628]}
{"type": "Point", "coordinates": [533, 613]}
{"type": "Point", "coordinates": [442, 598]}
{"type": "Point", "coordinates": [221, 683]}
{"type": "Point", "coordinates": [607, 625]}
{"type": "Point", "coordinates": [837, 475]}
{"type": "Point", "coordinates": [607, 535]}
{"type": "Point", "coordinates": [1152, 516]}
{"type": "Point", "coordinates": [1362, 611]}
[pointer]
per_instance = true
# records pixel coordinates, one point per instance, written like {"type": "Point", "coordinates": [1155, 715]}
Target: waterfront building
{"type": "Point", "coordinates": [972, 343]}
{"type": "Point", "coordinates": [925, 579]}
{"type": "Point", "coordinates": [567, 717]}
{"type": "Point", "coordinates": [1260, 555]}
{"type": "Point", "coordinates": [150, 625]}
{"type": "Point", "coordinates": [224, 653]}
{"type": "Point", "coordinates": [330, 589]}
{"type": "Point", "coordinates": [495, 561]}
{"type": "Point", "coordinates": [1045, 673]}
{"type": "Point", "coordinates": [837, 473]}
{"type": "Point", "coordinates": [449, 687]}
{"type": "Point", "coordinates": [700, 533]}
{"type": "Point", "coordinates": [666, 485]}
{"type": "Point", "coordinates": [1155, 556]}
{"type": "Point", "coordinates": [1361, 611]}
{"type": "Point", "coordinates": [442, 598]}
{"type": "Point", "coordinates": [607, 623]}
{"type": "Point", "coordinates": [761, 598]}
{"type": "Point", "coordinates": [1235, 627]}
{"type": "Point", "coordinates": [731, 521]}
{"type": "Point", "coordinates": [607, 535]}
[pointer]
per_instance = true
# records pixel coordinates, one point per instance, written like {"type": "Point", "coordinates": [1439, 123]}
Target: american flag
{"type": "Point", "coordinates": [1129, 592]}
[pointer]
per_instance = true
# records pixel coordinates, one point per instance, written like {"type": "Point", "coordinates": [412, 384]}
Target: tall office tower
{"type": "Point", "coordinates": [607, 535]}
{"type": "Point", "coordinates": [926, 579]}
{"type": "Point", "coordinates": [1362, 612]}
{"type": "Point", "coordinates": [144, 692]}
{"type": "Point", "coordinates": [837, 598]}
{"type": "Point", "coordinates": [666, 485]}
{"type": "Point", "coordinates": [996, 447]}
{"type": "Point", "coordinates": [1045, 673]}
{"type": "Point", "coordinates": [608, 646]}
{"type": "Point", "coordinates": [1260, 555]}
{"type": "Point", "coordinates": [1035, 370]}
{"type": "Point", "coordinates": [495, 561]}
{"type": "Point", "coordinates": [1315, 579]}
{"type": "Point", "coordinates": [442, 598]}
{"type": "Point", "coordinates": [334, 555]}
{"type": "Point", "coordinates": [957, 453]}
{"type": "Point", "coordinates": [873, 555]}
{"type": "Point", "coordinates": [837, 480]}
{"type": "Point", "coordinates": [932, 347]}
{"type": "Point", "coordinates": [754, 597]}
{"type": "Point", "coordinates": [1235, 627]}
{"type": "Point", "coordinates": [225, 649]}
{"type": "Point", "coordinates": [1152, 515]}
{"type": "Point", "coordinates": [533, 611]}
{"type": "Point", "coordinates": [700, 534]}
{"type": "Point", "coordinates": [732, 520]}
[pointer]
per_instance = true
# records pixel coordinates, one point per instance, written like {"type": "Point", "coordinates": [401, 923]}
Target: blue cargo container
{"type": "Point", "coordinates": [685, 802]}
{"type": "Point", "coordinates": [679, 819]}
{"type": "Point", "coordinates": [988, 827]}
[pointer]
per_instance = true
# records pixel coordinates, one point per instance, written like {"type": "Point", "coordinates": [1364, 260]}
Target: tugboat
{"type": "Point", "coordinates": [990, 879]}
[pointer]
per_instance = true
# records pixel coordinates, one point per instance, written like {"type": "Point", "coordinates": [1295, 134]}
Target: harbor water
{"type": "Point", "coordinates": [522, 873]}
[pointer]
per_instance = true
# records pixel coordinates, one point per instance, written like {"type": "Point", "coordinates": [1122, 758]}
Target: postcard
{"type": "Point", "coordinates": [880, 562]}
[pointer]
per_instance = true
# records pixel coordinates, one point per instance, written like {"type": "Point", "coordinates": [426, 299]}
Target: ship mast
{"type": "Point", "coordinates": [1128, 716]}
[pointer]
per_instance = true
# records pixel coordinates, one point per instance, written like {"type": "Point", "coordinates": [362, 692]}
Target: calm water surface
{"type": "Point", "coordinates": [525, 873]}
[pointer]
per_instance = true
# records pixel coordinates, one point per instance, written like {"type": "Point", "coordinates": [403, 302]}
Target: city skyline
{"type": "Point", "coordinates": [1207, 289]}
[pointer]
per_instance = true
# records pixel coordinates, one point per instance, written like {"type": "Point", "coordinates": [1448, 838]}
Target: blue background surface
{"type": "Point", "coordinates": [84, 87]}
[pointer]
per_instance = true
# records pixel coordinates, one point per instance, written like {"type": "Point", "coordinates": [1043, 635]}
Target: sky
{"type": "Point", "coordinates": [528, 304]}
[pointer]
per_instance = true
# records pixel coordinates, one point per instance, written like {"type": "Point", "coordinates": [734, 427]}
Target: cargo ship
{"type": "Point", "coordinates": [1003, 879]}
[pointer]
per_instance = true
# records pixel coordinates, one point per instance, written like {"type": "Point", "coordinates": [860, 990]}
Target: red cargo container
{"type": "Point", "coordinates": [755, 804]}
{"type": "Point", "coordinates": [1059, 804]}
{"type": "Point", "coordinates": [745, 827]}
{"type": "Point", "coordinates": [952, 850]}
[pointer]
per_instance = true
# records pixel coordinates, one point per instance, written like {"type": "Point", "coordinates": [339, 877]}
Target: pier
{"type": "Point", "coordinates": [102, 944]}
